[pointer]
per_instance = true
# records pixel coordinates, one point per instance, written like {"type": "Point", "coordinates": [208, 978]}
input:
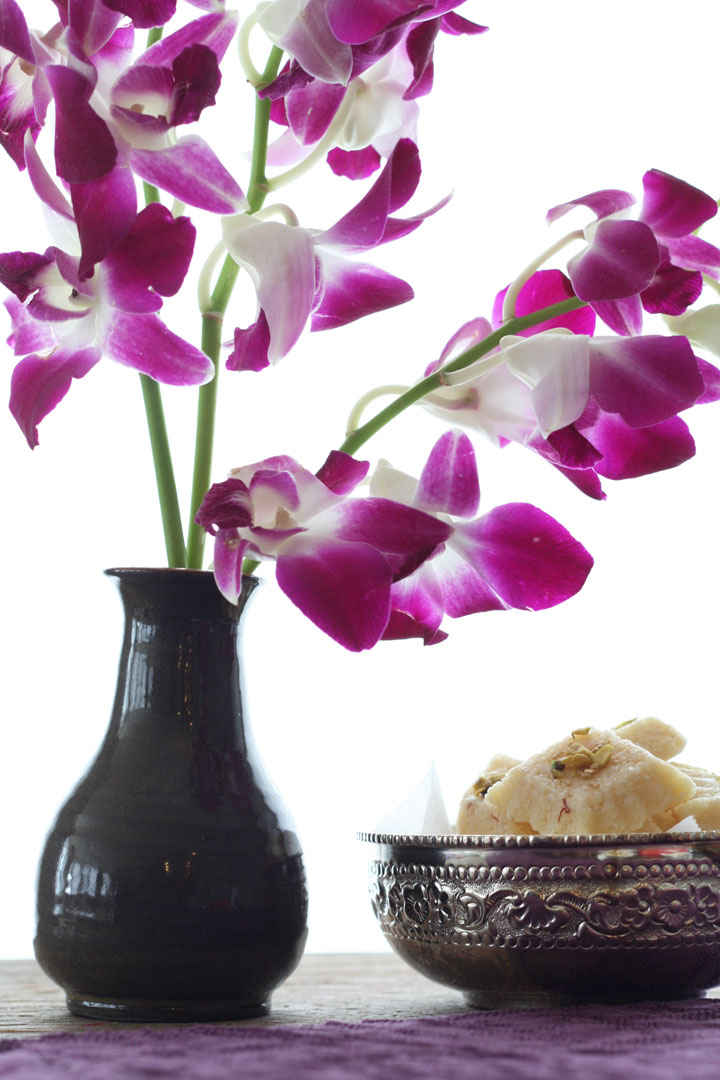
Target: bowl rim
{"type": "Point", "coordinates": [482, 842]}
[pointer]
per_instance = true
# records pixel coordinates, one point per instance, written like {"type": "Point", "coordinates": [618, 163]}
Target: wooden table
{"type": "Point", "coordinates": [326, 986]}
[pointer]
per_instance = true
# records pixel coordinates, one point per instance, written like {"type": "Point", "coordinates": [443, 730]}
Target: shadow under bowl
{"type": "Point", "coordinates": [535, 921]}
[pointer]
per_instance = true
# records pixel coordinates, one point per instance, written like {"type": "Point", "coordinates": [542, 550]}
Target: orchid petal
{"type": "Point", "coordinates": [621, 260]}
{"type": "Point", "coordinates": [455, 24]}
{"type": "Point", "coordinates": [303, 31]}
{"type": "Point", "coordinates": [602, 203]}
{"type": "Point", "coordinates": [416, 608]}
{"type": "Point", "coordinates": [673, 208]}
{"type": "Point", "coordinates": [19, 271]}
{"type": "Point", "coordinates": [28, 334]}
{"type": "Point", "coordinates": [191, 172]}
{"type": "Point", "coordinates": [39, 383]}
{"type": "Point", "coordinates": [145, 14]}
{"type": "Point", "coordinates": [228, 554]}
{"type": "Point", "coordinates": [645, 379]}
{"type": "Point", "coordinates": [344, 588]}
{"type": "Point", "coordinates": [152, 259]}
{"type": "Point", "coordinates": [365, 225]}
{"type": "Point", "coordinates": [14, 34]}
{"type": "Point", "coordinates": [464, 590]}
{"type": "Point", "coordinates": [215, 30]}
{"type": "Point", "coordinates": [45, 187]}
{"type": "Point", "coordinates": [146, 85]}
{"type": "Point", "coordinates": [342, 473]}
{"type": "Point", "coordinates": [271, 491]}
{"type": "Point", "coordinates": [469, 334]}
{"type": "Point", "coordinates": [227, 505]}
{"type": "Point", "coordinates": [310, 110]}
{"type": "Point", "coordinates": [566, 447]}
{"type": "Point", "coordinates": [84, 148]}
{"type": "Point", "coordinates": [692, 253]}
{"type": "Point", "coordinates": [543, 289]}
{"type": "Point", "coordinates": [624, 316]}
{"type": "Point", "coordinates": [281, 261]}
{"type": "Point", "coordinates": [495, 403]}
{"type": "Point", "coordinates": [352, 290]}
{"type": "Point", "coordinates": [197, 80]}
{"type": "Point", "coordinates": [144, 342]}
{"type": "Point", "coordinates": [629, 452]}
{"type": "Point", "coordinates": [389, 483]}
{"type": "Point", "coordinates": [526, 556]}
{"type": "Point", "coordinates": [711, 381]}
{"type": "Point", "coordinates": [250, 352]}
{"type": "Point", "coordinates": [358, 23]}
{"type": "Point", "coordinates": [449, 481]}
{"type": "Point", "coordinates": [354, 164]}
{"type": "Point", "coordinates": [17, 113]}
{"type": "Point", "coordinates": [390, 527]}
{"type": "Point", "coordinates": [672, 290]}
{"type": "Point", "coordinates": [94, 22]}
{"type": "Point", "coordinates": [556, 367]}
{"type": "Point", "coordinates": [105, 210]}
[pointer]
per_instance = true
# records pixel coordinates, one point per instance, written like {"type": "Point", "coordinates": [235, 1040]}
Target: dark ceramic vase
{"type": "Point", "coordinates": [172, 885]}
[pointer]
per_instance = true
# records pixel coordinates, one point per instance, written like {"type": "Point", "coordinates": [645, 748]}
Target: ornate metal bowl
{"type": "Point", "coordinates": [542, 920]}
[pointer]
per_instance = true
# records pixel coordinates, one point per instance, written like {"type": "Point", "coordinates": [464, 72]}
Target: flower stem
{"type": "Point", "coordinates": [213, 315]}
{"type": "Point", "coordinates": [164, 475]}
{"type": "Point", "coordinates": [432, 382]}
{"type": "Point", "coordinates": [513, 292]}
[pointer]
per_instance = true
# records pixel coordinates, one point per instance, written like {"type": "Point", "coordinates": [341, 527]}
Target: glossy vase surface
{"type": "Point", "coordinates": [172, 885]}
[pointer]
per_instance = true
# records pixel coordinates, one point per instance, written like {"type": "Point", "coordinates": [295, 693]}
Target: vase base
{"type": "Point", "coordinates": [165, 1011]}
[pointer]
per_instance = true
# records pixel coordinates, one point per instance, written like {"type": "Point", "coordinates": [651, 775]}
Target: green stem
{"type": "Point", "coordinates": [432, 382]}
{"type": "Point", "coordinates": [154, 35]}
{"type": "Point", "coordinates": [213, 317]}
{"type": "Point", "coordinates": [164, 475]}
{"type": "Point", "coordinates": [150, 192]}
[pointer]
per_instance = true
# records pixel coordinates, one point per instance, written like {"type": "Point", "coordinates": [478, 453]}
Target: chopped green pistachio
{"type": "Point", "coordinates": [580, 759]}
{"type": "Point", "coordinates": [579, 731]}
{"type": "Point", "coordinates": [483, 783]}
{"type": "Point", "coordinates": [625, 723]}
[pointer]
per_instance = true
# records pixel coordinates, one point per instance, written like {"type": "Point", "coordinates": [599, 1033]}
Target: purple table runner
{"type": "Point", "coordinates": [660, 1041]}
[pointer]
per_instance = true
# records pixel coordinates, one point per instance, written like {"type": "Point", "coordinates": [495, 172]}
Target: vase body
{"type": "Point", "coordinates": [171, 885]}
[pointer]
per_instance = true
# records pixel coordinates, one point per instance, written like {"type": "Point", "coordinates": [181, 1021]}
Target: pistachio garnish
{"type": "Point", "coordinates": [625, 723]}
{"type": "Point", "coordinates": [483, 783]}
{"type": "Point", "coordinates": [581, 759]}
{"type": "Point", "coordinates": [579, 731]}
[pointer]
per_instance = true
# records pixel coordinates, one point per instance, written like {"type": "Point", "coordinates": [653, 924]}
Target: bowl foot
{"type": "Point", "coordinates": [166, 1011]}
{"type": "Point", "coordinates": [490, 999]}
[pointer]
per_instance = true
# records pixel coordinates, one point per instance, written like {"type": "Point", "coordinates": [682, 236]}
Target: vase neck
{"type": "Point", "coordinates": [179, 665]}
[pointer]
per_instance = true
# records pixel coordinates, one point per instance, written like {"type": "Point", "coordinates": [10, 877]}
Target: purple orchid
{"type": "Point", "coordinates": [334, 41]}
{"type": "Point", "coordinates": [336, 557]}
{"type": "Point", "coordinates": [63, 325]}
{"type": "Point", "coordinates": [379, 105]}
{"type": "Point", "coordinates": [515, 556]}
{"type": "Point", "coordinates": [299, 273]}
{"type": "Point", "coordinates": [594, 407]}
{"type": "Point", "coordinates": [654, 262]}
{"type": "Point", "coordinates": [24, 91]}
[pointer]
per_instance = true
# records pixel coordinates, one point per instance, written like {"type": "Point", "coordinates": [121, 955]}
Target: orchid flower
{"type": "Point", "coordinates": [378, 110]}
{"type": "Point", "coordinates": [299, 273]}
{"type": "Point", "coordinates": [654, 262]}
{"type": "Point", "coordinates": [515, 556]}
{"type": "Point", "coordinates": [24, 90]}
{"type": "Point", "coordinates": [591, 406]}
{"type": "Point", "coordinates": [336, 557]}
{"type": "Point", "coordinates": [63, 325]}
{"type": "Point", "coordinates": [336, 40]}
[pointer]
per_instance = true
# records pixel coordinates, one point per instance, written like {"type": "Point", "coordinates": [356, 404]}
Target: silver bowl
{"type": "Point", "coordinates": [540, 920]}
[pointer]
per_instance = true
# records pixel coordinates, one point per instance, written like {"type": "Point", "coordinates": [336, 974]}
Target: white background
{"type": "Point", "coordinates": [558, 99]}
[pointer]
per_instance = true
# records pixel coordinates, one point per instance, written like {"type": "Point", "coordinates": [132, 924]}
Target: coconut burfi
{"type": "Point", "coordinates": [593, 781]}
{"type": "Point", "coordinates": [655, 736]}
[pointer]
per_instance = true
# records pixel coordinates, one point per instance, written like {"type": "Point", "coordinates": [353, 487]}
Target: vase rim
{"type": "Point", "coordinates": [121, 571]}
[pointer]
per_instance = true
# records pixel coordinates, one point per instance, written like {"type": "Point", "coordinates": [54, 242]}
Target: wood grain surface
{"type": "Point", "coordinates": [326, 986]}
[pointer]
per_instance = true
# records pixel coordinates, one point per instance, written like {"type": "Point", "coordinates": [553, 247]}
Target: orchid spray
{"type": "Point", "coordinates": [339, 90]}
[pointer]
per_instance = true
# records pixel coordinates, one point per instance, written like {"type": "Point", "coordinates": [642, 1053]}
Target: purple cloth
{"type": "Point", "coordinates": [661, 1041]}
